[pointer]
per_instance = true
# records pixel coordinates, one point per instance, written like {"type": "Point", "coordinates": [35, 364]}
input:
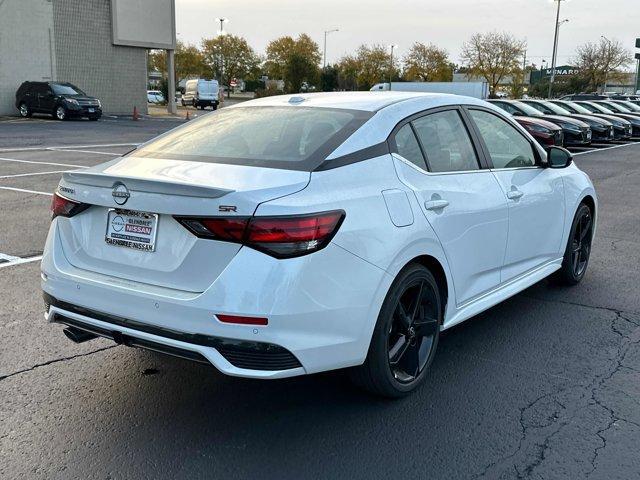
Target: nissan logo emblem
{"type": "Point", "coordinates": [120, 193]}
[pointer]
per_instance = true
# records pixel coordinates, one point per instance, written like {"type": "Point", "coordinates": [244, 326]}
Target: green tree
{"type": "Point", "coordinates": [493, 56]}
{"type": "Point", "coordinates": [601, 62]}
{"type": "Point", "coordinates": [348, 68]}
{"type": "Point", "coordinates": [370, 65]}
{"type": "Point", "coordinates": [427, 63]}
{"type": "Point", "coordinates": [189, 61]}
{"type": "Point", "coordinates": [293, 60]}
{"type": "Point", "coordinates": [329, 78]}
{"type": "Point", "coordinates": [229, 57]}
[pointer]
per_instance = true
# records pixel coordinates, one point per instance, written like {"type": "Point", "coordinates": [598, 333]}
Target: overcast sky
{"type": "Point", "coordinates": [447, 23]}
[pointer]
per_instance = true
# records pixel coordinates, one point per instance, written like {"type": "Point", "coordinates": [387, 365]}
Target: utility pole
{"type": "Point", "coordinates": [324, 51]}
{"type": "Point", "coordinates": [524, 70]}
{"type": "Point", "coordinates": [606, 73]}
{"type": "Point", "coordinates": [555, 50]}
{"type": "Point", "coordinates": [391, 70]}
{"type": "Point", "coordinates": [222, 21]}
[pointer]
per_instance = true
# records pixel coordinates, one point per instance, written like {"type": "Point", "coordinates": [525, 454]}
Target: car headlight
{"type": "Point", "coordinates": [99, 103]}
{"type": "Point", "coordinates": [538, 128]}
{"type": "Point", "coordinates": [72, 101]}
{"type": "Point", "coordinates": [570, 127]}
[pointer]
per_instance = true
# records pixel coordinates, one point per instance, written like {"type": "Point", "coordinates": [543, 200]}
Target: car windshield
{"type": "Point", "coordinates": [293, 137]}
{"type": "Point", "coordinates": [577, 107]}
{"type": "Point", "coordinates": [527, 109]}
{"type": "Point", "coordinates": [596, 107]}
{"type": "Point", "coordinates": [66, 89]}
{"type": "Point", "coordinates": [616, 107]}
{"type": "Point", "coordinates": [629, 106]}
{"type": "Point", "coordinates": [556, 109]}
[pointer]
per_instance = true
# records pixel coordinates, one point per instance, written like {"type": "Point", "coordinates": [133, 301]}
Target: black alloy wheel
{"type": "Point", "coordinates": [405, 337]}
{"type": "Point", "coordinates": [578, 251]}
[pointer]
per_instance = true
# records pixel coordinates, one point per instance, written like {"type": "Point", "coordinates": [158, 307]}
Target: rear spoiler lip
{"type": "Point", "coordinates": [144, 185]}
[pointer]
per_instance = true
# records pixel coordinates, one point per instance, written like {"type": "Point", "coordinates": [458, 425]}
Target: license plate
{"type": "Point", "coordinates": [130, 229]}
{"type": "Point", "coordinates": [92, 110]}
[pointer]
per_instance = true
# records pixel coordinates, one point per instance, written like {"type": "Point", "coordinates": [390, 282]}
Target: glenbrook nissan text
{"type": "Point", "coordinates": [291, 235]}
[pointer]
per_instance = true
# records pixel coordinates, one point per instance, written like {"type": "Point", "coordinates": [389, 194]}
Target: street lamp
{"type": "Point", "coordinates": [324, 52]}
{"type": "Point", "coordinates": [222, 21]}
{"type": "Point", "coordinates": [606, 73]}
{"type": "Point", "coordinates": [391, 70]}
{"type": "Point", "coordinates": [555, 47]}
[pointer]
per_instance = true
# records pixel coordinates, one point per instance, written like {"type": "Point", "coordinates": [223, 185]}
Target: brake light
{"type": "Point", "coordinates": [63, 207]}
{"type": "Point", "coordinates": [243, 320]}
{"type": "Point", "coordinates": [280, 237]}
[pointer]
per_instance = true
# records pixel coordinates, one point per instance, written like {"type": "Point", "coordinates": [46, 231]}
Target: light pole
{"type": "Point", "coordinates": [391, 70]}
{"type": "Point", "coordinates": [606, 73]}
{"type": "Point", "coordinates": [324, 52]}
{"type": "Point", "coordinates": [222, 21]}
{"type": "Point", "coordinates": [555, 48]}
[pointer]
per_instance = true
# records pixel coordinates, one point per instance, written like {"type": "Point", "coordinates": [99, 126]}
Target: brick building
{"type": "Point", "coordinates": [71, 41]}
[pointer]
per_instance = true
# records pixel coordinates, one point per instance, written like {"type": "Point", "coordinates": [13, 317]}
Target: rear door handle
{"type": "Point", "coordinates": [435, 204]}
{"type": "Point", "coordinates": [514, 194]}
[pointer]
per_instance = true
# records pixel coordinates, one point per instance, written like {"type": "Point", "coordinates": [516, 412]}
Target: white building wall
{"type": "Point", "coordinates": [27, 47]}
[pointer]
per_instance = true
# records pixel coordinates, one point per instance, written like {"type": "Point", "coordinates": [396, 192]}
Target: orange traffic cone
{"type": "Point", "coordinates": [135, 113]}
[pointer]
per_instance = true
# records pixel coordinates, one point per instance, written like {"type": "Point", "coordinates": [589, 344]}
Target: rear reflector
{"type": "Point", "coordinates": [243, 320]}
{"type": "Point", "coordinates": [63, 207]}
{"type": "Point", "coordinates": [280, 237]}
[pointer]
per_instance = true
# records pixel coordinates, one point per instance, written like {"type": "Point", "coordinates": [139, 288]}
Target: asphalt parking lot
{"type": "Point", "coordinates": [543, 386]}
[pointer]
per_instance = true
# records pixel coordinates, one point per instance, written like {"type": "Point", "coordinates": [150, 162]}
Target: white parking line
{"type": "Point", "coordinates": [17, 260]}
{"type": "Point", "coordinates": [66, 147]}
{"type": "Point", "coordinates": [112, 154]}
{"type": "Point", "coordinates": [41, 163]}
{"type": "Point", "coordinates": [23, 190]}
{"type": "Point", "coordinates": [35, 173]}
{"type": "Point", "coordinates": [604, 149]}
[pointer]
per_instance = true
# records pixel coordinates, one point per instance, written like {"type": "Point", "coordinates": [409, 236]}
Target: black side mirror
{"type": "Point", "coordinates": [558, 157]}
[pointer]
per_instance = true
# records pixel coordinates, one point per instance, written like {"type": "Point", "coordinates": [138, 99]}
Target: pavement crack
{"type": "Point", "coordinates": [56, 360]}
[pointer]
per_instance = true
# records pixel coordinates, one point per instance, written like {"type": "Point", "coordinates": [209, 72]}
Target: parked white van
{"type": "Point", "coordinates": [201, 93]}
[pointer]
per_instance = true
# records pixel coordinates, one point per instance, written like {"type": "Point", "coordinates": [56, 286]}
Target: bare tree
{"type": "Point", "coordinates": [427, 63]}
{"type": "Point", "coordinates": [493, 56]}
{"type": "Point", "coordinates": [601, 62]}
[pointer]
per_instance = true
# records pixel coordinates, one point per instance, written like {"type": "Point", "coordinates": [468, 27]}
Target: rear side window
{"type": "Point", "coordinates": [446, 142]}
{"type": "Point", "coordinates": [295, 137]}
{"type": "Point", "coordinates": [408, 147]}
{"type": "Point", "coordinates": [507, 147]}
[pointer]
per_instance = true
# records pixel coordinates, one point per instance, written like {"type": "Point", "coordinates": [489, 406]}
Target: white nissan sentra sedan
{"type": "Point", "coordinates": [296, 234]}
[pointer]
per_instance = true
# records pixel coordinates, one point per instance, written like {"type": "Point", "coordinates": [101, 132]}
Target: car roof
{"type": "Point", "coordinates": [365, 101]}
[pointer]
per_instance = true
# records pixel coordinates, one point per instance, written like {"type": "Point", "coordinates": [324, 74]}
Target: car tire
{"type": "Point", "coordinates": [60, 113]}
{"type": "Point", "coordinates": [578, 250]}
{"type": "Point", "coordinates": [405, 337]}
{"type": "Point", "coordinates": [25, 111]}
{"type": "Point", "coordinates": [214, 106]}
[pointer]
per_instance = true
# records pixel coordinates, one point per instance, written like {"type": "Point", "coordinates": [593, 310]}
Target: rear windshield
{"type": "Point", "coordinates": [295, 138]}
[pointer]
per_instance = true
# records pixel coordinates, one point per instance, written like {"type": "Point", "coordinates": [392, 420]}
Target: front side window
{"type": "Point", "coordinates": [507, 107]}
{"type": "Point", "coordinates": [408, 147]}
{"type": "Point", "coordinates": [446, 142]}
{"type": "Point", "coordinates": [276, 137]}
{"type": "Point", "coordinates": [507, 147]}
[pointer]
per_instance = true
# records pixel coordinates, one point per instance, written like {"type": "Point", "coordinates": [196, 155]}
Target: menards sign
{"type": "Point", "coordinates": [563, 70]}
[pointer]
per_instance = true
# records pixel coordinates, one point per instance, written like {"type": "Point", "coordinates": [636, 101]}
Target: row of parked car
{"type": "Point", "coordinates": [575, 123]}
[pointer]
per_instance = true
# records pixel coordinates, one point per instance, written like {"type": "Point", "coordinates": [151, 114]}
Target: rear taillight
{"type": "Point", "coordinates": [63, 207]}
{"type": "Point", "coordinates": [280, 237]}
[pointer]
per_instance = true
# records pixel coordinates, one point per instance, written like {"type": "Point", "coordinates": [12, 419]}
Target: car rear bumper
{"type": "Point", "coordinates": [321, 310]}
